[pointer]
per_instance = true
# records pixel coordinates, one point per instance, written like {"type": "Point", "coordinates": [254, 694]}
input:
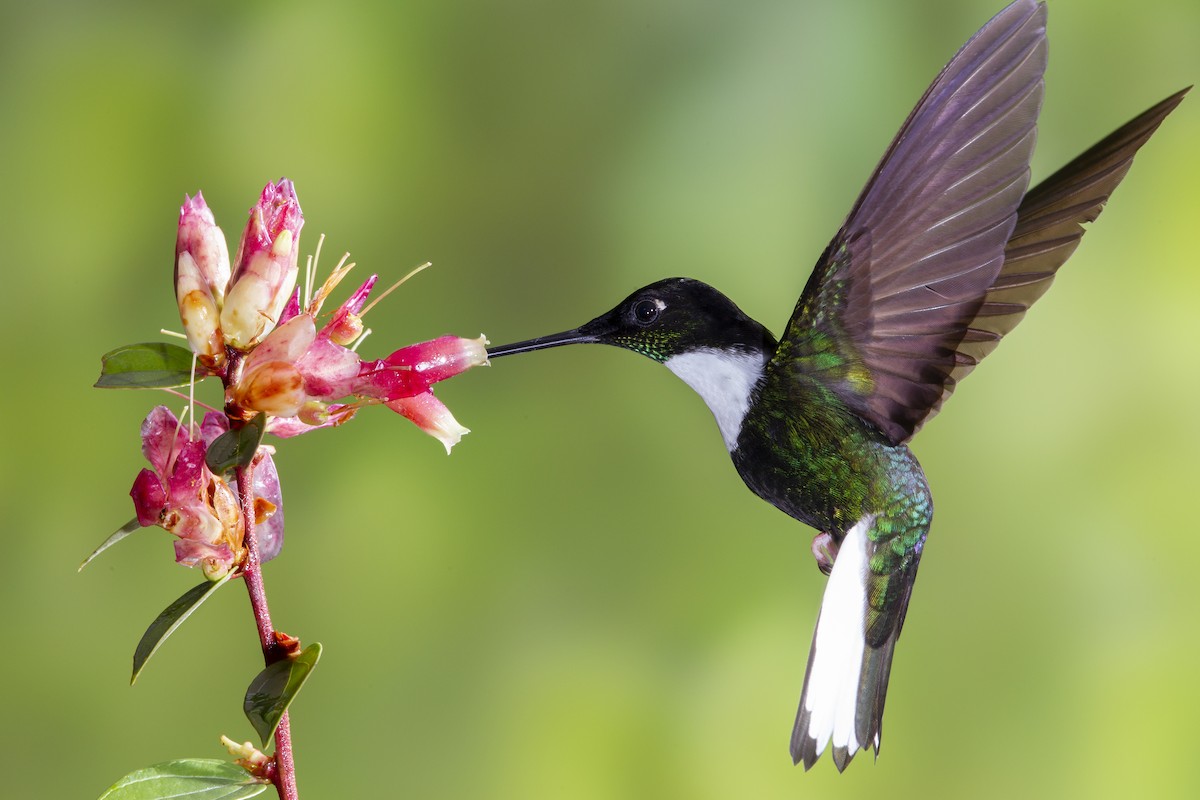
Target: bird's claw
{"type": "Point", "coordinates": [825, 550]}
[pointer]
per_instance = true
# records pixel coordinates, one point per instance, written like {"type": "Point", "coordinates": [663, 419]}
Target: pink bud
{"type": "Point", "coordinates": [346, 324]}
{"type": "Point", "coordinates": [430, 415]}
{"type": "Point", "coordinates": [265, 271]}
{"type": "Point", "coordinates": [199, 235]}
{"type": "Point", "coordinates": [201, 273]}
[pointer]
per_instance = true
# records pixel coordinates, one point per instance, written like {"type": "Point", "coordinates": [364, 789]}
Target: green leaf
{"type": "Point", "coordinates": [150, 365]}
{"type": "Point", "coordinates": [170, 619]}
{"type": "Point", "coordinates": [274, 689]}
{"type": "Point", "coordinates": [236, 448]}
{"type": "Point", "coordinates": [191, 778]}
{"type": "Point", "coordinates": [121, 533]}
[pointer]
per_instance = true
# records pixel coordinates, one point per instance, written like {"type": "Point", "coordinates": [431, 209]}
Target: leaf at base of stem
{"type": "Point", "coordinates": [190, 778]}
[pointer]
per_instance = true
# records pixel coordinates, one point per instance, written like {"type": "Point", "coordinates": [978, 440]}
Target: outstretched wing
{"type": "Point", "coordinates": [889, 302]}
{"type": "Point", "coordinates": [1049, 226]}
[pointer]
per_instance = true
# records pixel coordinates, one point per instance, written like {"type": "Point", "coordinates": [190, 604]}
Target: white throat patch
{"type": "Point", "coordinates": [725, 381]}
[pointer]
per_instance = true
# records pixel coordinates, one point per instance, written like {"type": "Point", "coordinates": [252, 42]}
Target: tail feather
{"type": "Point", "coordinates": [846, 681]}
{"type": "Point", "coordinates": [873, 686]}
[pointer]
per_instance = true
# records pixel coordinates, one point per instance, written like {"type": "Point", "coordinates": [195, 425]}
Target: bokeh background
{"type": "Point", "coordinates": [583, 601]}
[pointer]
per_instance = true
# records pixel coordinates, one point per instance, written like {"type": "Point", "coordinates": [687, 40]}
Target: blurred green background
{"type": "Point", "coordinates": [584, 602]}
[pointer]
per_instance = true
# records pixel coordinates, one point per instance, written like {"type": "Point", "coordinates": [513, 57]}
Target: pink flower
{"type": "Point", "coordinates": [182, 496]}
{"type": "Point", "coordinates": [403, 380]}
{"type": "Point", "coordinates": [297, 368]}
{"type": "Point", "coordinates": [264, 274]}
{"type": "Point", "coordinates": [430, 415]}
{"type": "Point", "coordinates": [201, 273]}
{"type": "Point", "coordinates": [412, 370]}
{"type": "Point", "coordinates": [298, 371]}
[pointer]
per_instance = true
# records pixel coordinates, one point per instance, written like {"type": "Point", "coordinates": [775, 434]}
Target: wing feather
{"type": "Point", "coordinates": [1049, 226]}
{"type": "Point", "coordinates": [892, 297]}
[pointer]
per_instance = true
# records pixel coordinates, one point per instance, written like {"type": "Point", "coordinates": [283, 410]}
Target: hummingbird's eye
{"type": "Point", "coordinates": [647, 311]}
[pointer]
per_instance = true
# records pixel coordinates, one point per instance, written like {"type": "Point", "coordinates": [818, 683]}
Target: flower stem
{"type": "Point", "coordinates": [285, 768]}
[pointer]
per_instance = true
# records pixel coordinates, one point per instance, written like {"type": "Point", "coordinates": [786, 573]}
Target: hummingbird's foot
{"type": "Point", "coordinates": [825, 550]}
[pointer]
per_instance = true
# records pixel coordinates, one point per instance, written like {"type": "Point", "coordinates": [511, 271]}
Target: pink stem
{"type": "Point", "coordinates": [285, 767]}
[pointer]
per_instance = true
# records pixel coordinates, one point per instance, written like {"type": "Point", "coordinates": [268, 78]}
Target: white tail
{"type": "Point", "coordinates": [832, 685]}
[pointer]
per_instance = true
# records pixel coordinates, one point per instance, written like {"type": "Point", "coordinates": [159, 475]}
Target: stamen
{"type": "Point", "coordinates": [175, 453]}
{"type": "Point", "coordinates": [166, 332]}
{"type": "Point", "coordinates": [340, 271]}
{"type": "Point", "coordinates": [311, 270]}
{"type": "Point", "coordinates": [396, 286]}
{"type": "Point", "coordinates": [192, 400]}
{"type": "Point", "coordinates": [183, 396]}
{"type": "Point", "coordinates": [308, 271]}
{"type": "Point", "coordinates": [359, 340]}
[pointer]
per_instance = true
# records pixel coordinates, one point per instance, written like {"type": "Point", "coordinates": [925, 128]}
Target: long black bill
{"type": "Point", "coordinates": [576, 336]}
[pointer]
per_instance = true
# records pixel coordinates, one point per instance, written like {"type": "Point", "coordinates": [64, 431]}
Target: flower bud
{"type": "Point", "coordinates": [201, 273]}
{"type": "Point", "coordinates": [265, 271]}
{"type": "Point", "coordinates": [346, 324]}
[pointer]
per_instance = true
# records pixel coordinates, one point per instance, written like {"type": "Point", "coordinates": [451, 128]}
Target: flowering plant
{"type": "Point", "coordinates": [287, 369]}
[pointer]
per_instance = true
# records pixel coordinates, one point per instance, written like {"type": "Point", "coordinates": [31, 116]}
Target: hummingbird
{"type": "Point", "coordinates": [939, 258]}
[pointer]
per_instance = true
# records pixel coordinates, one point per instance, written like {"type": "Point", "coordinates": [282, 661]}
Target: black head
{"type": "Point", "coordinates": [664, 319]}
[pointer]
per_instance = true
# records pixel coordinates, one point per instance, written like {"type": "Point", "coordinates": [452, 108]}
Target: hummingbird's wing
{"type": "Point", "coordinates": [1049, 226]}
{"type": "Point", "coordinates": [878, 326]}
{"type": "Point", "coordinates": [886, 307]}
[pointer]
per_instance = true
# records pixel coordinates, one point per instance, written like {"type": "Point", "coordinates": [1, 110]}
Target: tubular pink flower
{"type": "Point", "coordinates": [430, 415]}
{"type": "Point", "coordinates": [265, 271]}
{"type": "Point", "coordinates": [412, 370]}
{"type": "Point", "coordinates": [201, 273]}
{"type": "Point", "coordinates": [297, 371]}
{"type": "Point", "coordinates": [441, 358]}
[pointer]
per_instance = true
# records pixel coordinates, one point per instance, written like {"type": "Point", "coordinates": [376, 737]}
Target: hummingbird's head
{"type": "Point", "coordinates": [669, 318]}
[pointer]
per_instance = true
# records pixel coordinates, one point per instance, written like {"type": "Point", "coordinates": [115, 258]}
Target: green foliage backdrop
{"type": "Point", "coordinates": [583, 601]}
